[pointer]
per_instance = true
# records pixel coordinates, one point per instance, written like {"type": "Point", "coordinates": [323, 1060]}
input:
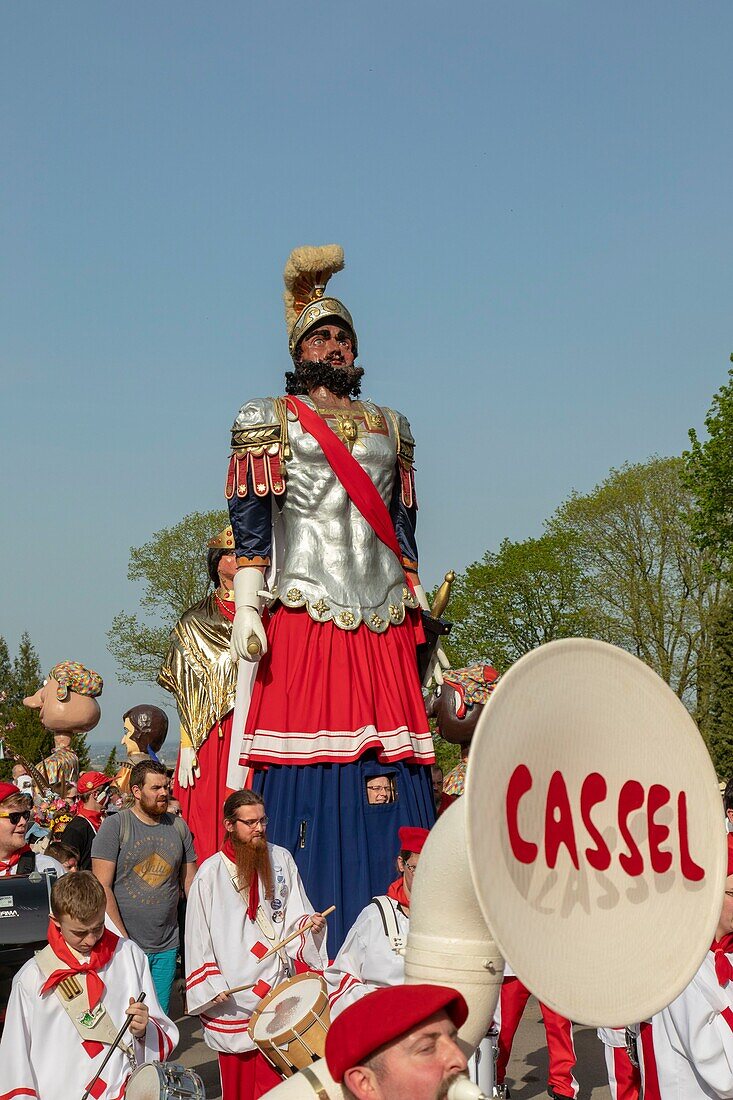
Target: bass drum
{"type": "Point", "coordinates": [164, 1081]}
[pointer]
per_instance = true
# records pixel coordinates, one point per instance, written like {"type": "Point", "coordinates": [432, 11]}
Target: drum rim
{"type": "Point", "coordinates": [317, 1007]}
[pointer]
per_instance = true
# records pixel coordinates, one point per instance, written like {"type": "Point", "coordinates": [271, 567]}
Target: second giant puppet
{"type": "Point", "coordinates": [321, 499]}
{"type": "Point", "coordinates": [198, 670]}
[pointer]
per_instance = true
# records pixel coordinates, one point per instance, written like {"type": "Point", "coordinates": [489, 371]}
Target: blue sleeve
{"type": "Point", "coordinates": [405, 521]}
{"type": "Point", "coordinates": [251, 520]}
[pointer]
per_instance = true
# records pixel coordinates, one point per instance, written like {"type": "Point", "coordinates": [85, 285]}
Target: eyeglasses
{"type": "Point", "coordinates": [411, 867]}
{"type": "Point", "coordinates": [383, 788]}
{"type": "Point", "coordinates": [253, 824]}
{"type": "Point", "coordinates": [14, 816]}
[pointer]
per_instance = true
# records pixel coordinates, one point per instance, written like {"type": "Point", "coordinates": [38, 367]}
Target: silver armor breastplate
{"type": "Point", "coordinates": [332, 562]}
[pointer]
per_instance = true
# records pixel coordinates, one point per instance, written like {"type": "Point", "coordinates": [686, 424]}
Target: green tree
{"type": "Point", "coordinates": [650, 586]}
{"type": "Point", "coordinates": [511, 601]}
{"type": "Point", "coordinates": [709, 475]}
{"type": "Point", "coordinates": [718, 729]}
{"type": "Point", "coordinates": [28, 735]}
{"type": "Point", "coordinates": [111, 766]}
{"type": "Point", "coordinates": [172, 570]}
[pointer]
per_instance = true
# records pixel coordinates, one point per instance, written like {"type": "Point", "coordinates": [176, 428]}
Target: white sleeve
{"type": "Point", "coordinates": [18, 1076]}
{"type": "Point", "coordinates": [161, 1034]}
{"type": "Point", "coordinates": [344, 976]}
{"type": "Point", "coordinates": [204, 980]}
{"type": "Point", "coordinates": [309, 949]}
{"type": "Point", "coordinates": [702, 1036]}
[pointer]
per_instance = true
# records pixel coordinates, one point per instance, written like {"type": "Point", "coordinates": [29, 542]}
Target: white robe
{"type": "Point", "coordinates": [41, 1052]}
{"type": "Point", "coordinates": [366, 960]}
{"type": "Point", "coordinates": [219, 942]}
{"type": "Point", "coordinates": [692, 1041]}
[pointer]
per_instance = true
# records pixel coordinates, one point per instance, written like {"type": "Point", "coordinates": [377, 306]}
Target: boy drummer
{"type": "Point", "coordinates": [68, 1003]}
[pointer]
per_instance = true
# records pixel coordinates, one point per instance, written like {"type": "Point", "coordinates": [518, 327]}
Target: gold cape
{"type": "Point", "coordinates": [198, 670]}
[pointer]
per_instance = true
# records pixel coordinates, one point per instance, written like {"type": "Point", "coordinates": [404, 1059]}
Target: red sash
{"type": "Point", "coordinates": [360, 488]}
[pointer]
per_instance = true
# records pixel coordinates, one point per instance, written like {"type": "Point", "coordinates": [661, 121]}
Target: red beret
{"type": "Point", "coordinates": [730, 853]}
{"type": "Point", "coordinates": [91, 781]}
{"type": "Point", "coordinates": [412, 839]}
{"type": "Point", "coordinates": [6, 789]}
{"type": "Point", "coordinates": [384, 1015]}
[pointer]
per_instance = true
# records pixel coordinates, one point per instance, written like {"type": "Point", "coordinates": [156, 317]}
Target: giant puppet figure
{"type": "Point", "coordinates": [198, 670]}
{"type": "Point", "coordinates": [322, 503]}
{"type": "Point", "coordinates": [66, 704]}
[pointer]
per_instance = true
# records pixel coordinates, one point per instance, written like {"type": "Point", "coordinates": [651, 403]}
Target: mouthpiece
{"type": "Point", "coordinates": [463, 1089]}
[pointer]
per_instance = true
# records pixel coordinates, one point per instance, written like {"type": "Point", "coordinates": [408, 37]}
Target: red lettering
{"type": "Point", "coordinates": [592, 792]}
{"type": "Point", "coordinates": [519, 783]}
{"type": "Point", "coordinates": [630, 798]}
{"type": "Point", "coordinates": [658, 796]}
{"type": "Point", "coordinates": [559, 822]}
{"type": "Point", "coordinates": [690, 870]}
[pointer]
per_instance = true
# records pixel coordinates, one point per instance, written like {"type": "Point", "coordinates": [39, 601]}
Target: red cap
{"type": "Point", "coordinates": [6, 789]}
{"type": "Point", "coordinates": [412, 839]}
{"type": "Point", "coordinates": [730, 853]}
{"type": "Point", "coordinates": [92, 781]}
{"type": "Point", "coordinates": [384, 1015]}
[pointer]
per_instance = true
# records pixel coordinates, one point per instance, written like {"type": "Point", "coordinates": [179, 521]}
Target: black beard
{"type": "Point", "coordinates": [307, 376]}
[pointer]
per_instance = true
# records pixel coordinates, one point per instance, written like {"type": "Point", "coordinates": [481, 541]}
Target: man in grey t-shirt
{"type": "Point", "coordinates": [143, 857]}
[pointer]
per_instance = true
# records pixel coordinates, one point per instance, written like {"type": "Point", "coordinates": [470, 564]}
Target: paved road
{"type": "Point", "coordinates": [527, 1074]}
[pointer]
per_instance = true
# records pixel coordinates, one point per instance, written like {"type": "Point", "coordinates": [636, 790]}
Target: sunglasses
{"type": "Point", "coordinates": [15, 816]}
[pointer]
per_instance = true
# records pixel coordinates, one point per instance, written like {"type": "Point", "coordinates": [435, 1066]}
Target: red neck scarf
{"type": "Point", "coordinates": [94, 817]}
{"type": "Point", "coordinates": [397, 891]}
{"type": "Point", "coordinates": [254, 886]}
{"type": "Point", "coordinates": [100, 955]}
{"type": "Point", "coordinates": [6, 865]}
{"type": "Point", "coordinates": [723, 965]}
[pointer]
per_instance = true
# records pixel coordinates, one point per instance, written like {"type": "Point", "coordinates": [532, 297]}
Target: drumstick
{"type": "Point", "coordinates": [111, 1050]}
{"type": "Point", "coordinates": [278, 946]}
{"type": "Point", "coordinates": [306, 928]}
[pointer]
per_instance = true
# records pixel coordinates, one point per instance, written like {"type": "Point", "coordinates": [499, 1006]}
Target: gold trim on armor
{"type": "Point", "coordinates": [256, 438]}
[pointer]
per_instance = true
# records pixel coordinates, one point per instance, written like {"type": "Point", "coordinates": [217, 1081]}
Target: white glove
{"type": "Point", "coordinates": [247, 628]}
{"type": "Point", "coordinates": [421, 598]}
{"type": "Point", "coordinates": [434, 671]}
{"type": "Point", "coordinates": [188, 766]}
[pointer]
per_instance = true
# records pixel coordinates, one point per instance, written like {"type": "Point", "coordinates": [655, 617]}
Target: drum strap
{"type": "Point", "coordinates": [93, 1025]}
{"type": "Point", "coordinates": [389, 923]}
{"type": "Point", "coordinates": [310, 1075]}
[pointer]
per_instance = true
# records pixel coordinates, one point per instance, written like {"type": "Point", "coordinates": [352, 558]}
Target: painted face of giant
{"type": "Point", "coordinates": [74, 713]}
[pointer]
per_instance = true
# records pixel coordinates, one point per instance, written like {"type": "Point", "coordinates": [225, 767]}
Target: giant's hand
{"type": "Point", "coordinates": [248, 634]}
{"type": "Point", "coordinates": [188, 766]}
{"type": "Point", "coordinates": [246, 629]}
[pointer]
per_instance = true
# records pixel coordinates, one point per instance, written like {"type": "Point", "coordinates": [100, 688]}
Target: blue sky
{"type": "Point", "coordinates": [535, 204]}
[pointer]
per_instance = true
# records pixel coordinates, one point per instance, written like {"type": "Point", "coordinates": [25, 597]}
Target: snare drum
{"type": "Point", "coordinates": [291, 1023]}
{"type": "Point", "coordinates": [164, 1081]}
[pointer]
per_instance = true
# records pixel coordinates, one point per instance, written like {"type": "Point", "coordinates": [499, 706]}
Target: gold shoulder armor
{"type": "Point", "coordinates": [403, 436]}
